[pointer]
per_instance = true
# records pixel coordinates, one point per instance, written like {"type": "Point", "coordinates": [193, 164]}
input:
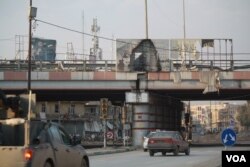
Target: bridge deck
{"type": "Point", "coordinates": [183, 85]}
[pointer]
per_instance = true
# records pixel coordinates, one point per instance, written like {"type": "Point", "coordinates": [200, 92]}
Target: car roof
{"type": "Point", "coordinates": [167, 132]}
{"type": "Point", "coordinates": [171, 131]}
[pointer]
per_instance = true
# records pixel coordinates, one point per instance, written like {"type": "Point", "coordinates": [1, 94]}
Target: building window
{"type": "Point", "coordinates": [43, 107]}
{"type": "Point", "coordinates": [72, 109]}
{"type": "Point", "coordinates": [56, 108]}
{"type": "Point", "coordinates": [92, 110]}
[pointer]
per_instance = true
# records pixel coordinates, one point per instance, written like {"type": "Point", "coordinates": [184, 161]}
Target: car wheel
{"type": "Point", "coordinates": [151, 153]}
{"type": "Point", "coordinates": [187, 151]}
{"type": "Point", "coordinates": [48, 164]}
{"type": "Point", "coordinates": [176, 151]}
{"type": "Point", "coordinates": [164, 153]}
{"type": "Point", "coordinates": [84, 163]}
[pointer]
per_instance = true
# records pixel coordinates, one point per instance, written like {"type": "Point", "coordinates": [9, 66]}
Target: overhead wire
{"type": "Point", "coordinates": [6, 39]}
{"type": "Point", "coordinates": [165, 16]}
{"type": "Point", "coordinates": [125, 42]}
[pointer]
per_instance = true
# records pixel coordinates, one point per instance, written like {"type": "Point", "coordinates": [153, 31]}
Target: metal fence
{"type": "Point", "coordinates": [110, 65]}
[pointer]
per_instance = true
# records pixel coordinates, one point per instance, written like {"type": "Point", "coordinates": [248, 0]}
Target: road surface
{"type": "Point", "coordinates": [199, 157]}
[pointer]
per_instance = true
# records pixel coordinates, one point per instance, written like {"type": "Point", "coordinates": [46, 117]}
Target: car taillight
{"type": "Point", "coordinates": [151, 141]}
{"type": "Point", "coordinates": [28, 153]}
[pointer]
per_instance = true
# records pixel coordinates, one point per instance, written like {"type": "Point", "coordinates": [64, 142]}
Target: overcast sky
{"type": "Point", "coordinates": [125, 19]}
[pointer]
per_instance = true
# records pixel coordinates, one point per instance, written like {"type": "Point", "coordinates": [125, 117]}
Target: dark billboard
{"type": "Point", "coordinates": [172, 54]}
{"type": "Point", "coordinates": [43, 49]}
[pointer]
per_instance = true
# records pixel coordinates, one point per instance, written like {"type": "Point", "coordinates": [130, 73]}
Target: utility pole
{"type": "Point", "coordinates": [29, 49]}
{"type": "Point", "coordinates": [184, 34]}
{"type": "Point", "coordinates": [32, 15]}
{"type": "Point", "coordinates": [146, 18]}
{"type": "Point", "coordinates": [83, 56]}
{"type": "Point", "coordinates": [184, 20]}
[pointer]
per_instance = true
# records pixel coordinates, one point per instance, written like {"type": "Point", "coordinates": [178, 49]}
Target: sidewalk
{"type": "Point", "coordinates": [108, 150]}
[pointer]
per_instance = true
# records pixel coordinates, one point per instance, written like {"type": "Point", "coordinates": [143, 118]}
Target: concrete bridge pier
{"type": "Point", "coordinates": [161, 113]}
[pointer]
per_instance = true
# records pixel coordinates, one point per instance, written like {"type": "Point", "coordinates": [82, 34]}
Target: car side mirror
{"type": "Point", "coordinates": [36, 141]}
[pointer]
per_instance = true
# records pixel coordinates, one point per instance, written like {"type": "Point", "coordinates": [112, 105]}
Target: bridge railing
{"type": "Point", "coordinates": [228, 65]}
{"type": "Point", "coordinates": [59, 65]}
{"type": "Point", "coordinates": [110, 65]}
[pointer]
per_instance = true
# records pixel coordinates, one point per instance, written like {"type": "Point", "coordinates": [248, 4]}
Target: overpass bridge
{"type": "Point", "coordinates": [73, 84]}
{"type": "Point", "coordinates": [164, 90]}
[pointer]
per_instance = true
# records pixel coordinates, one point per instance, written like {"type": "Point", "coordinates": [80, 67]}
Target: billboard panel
{"type": "Point", "coordinates": [142, 54]}
{"type": "Point", "coordinates": [167, 54]}
{"type": "Point", "coordinates": [43, 49]}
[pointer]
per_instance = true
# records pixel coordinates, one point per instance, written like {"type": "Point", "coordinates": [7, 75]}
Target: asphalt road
{"type": "Point", "coordinates": [199, 157]}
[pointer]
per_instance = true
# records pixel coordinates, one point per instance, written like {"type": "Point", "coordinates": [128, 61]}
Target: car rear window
{"type": "Point", "coordinates": [162, 134]}
{"type": "Point", "coordinates": [150, 134]}
{"type": "Point", "coordinates": [13, 135]}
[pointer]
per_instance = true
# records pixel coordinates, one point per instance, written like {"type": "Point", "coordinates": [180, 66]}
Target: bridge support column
{"type": "Point", "coordinates": [161, 113]}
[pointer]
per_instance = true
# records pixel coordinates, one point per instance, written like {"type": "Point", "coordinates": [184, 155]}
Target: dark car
{"type": "Point", "coordinates": [145, 141]}
{"type": "Point", "coordinates": [167, 141]}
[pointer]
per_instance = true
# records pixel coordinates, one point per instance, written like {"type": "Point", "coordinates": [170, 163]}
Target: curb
{"type": "Point", "coordinates": [216, 145]}
{"type": "Point", "coordinates": [103, 152]}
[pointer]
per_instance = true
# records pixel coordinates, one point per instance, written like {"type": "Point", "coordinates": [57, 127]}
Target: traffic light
{"type": "Point", "coordinates": [187, 116]}
{"type": "Point", "coordinates": [1, 103]}
{"type": "Point", "coordinates": [2, 99]}
{"type": "Point", "coordinates": [104, 108]}
{"type": "Point", "coordinates": [13, 103]}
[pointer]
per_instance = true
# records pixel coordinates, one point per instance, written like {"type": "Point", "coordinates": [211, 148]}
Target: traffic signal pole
{"type": "Point", "coordinates": [104, 114]}
{"type": "Point", "coordinates": [188, 123]}
{"type": "Point", "coordinates": [105, 132]}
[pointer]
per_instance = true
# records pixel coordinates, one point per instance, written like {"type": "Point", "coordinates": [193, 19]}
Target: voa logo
{"type": "Point", "coordinates": [236, 158]}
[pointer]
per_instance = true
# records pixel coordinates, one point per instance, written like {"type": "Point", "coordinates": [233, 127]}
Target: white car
{"type": "Point", "coordinates": [50, 146]}
{"type": "Point", "coordinates": [145, 141]}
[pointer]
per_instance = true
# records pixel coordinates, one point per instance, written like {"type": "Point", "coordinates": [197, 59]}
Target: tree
{"type": "Point", "coordinates": [244, 115]}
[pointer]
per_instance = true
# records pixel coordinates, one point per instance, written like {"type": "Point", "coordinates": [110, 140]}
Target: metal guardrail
{"type": "Point", "coordinates": [58, 65]}
{"type": "Point", "coordinates": [110, 65]}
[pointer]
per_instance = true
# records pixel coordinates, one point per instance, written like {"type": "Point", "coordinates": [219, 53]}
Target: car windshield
{"type": "Point", "coordinates": [150, 134]}
{"type": "Point", "coordinates": [163, 134]}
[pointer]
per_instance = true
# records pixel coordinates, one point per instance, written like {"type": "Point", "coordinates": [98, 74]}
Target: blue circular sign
{"type": "Point", "coordinates": [228, 137]}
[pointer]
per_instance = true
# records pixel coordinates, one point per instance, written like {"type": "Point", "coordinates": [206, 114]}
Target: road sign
{"type": "Point", "coordinates": [231, 123]}
{"type": "Point", "coordinates": [110, 135]}
{"type": "Point", "coordinates": [228, 137]}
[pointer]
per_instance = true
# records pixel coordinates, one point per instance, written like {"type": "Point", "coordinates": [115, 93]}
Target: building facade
{"type": "Point", "coordinates": [215, 117]}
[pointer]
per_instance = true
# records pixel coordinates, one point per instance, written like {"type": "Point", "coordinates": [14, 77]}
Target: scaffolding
{"type": "Point", "coordinates": [70, 55]}
{"type": "Point", "coordinates": [19, 47]}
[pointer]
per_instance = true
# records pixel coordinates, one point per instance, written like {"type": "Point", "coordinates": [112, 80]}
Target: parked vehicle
{"type": "Point", "coordinates": [50, 146]}
{"type": "Point", "coordinates": [167, 141]}
{"type": "Point", "coordinates": [145, 141]}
